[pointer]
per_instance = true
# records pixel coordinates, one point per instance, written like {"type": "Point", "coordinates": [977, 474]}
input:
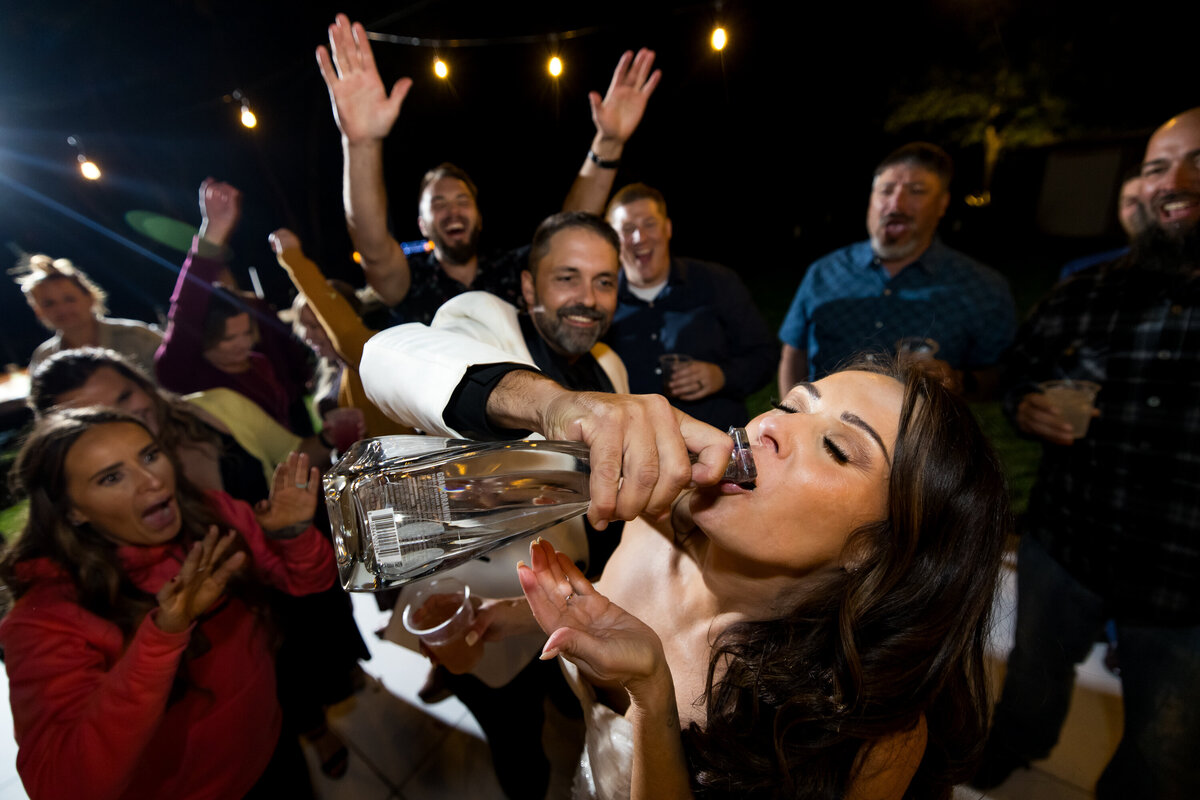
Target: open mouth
{"type": "Point", "coordinates": [896, 226]}
{"type": "Point", "coordinates": [576, 319]}
{"type": "Point", "coordinates": [580, 315]}
{"type": "Point", "coordinates": [1179, 207]}
{"type": "Point", "coordinates": [160, 515]}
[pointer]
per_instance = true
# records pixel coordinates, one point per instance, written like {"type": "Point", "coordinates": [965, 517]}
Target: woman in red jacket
{"type": "Point", "coordinates": [139, 661]}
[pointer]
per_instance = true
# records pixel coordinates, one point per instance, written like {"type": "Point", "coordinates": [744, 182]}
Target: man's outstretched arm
{"type": "Point", "coordinates": [617, 116]}
{"type": "Point", "coordinates": [365, 113]}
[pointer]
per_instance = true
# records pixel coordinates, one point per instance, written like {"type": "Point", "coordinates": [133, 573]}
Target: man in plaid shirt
{"type": "Point", "coordinates": [1113, 529]}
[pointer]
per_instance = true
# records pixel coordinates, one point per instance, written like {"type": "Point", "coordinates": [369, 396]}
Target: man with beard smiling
{"type": "Point", "coordinates": [570, 293]}
{"type": "Point", "coordinates": [902, 282]}
{"type": "Point", "coordinates": [416, 285]}
{"type": "Point", "coordinates": [1113, 519]}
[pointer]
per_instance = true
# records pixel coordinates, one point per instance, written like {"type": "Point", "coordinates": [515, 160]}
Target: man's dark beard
{"type": "Point", "coordinates": [563, 339]}
{"type": "Point", "coordinates": [457, 254]}
{"type": "Point", "coordinates": [1158, 250]}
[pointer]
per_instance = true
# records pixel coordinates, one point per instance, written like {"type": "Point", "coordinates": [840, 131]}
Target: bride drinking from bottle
{"type": "Point", "coordinates": [819, 634]}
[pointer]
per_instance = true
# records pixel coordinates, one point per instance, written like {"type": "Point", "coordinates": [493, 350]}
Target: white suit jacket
{"type": "Point", "coordinates": [410, 372]}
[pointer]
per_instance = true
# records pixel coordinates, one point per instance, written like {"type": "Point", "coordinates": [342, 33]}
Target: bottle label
{"type": "Point", "coordinates": [382, 523]}
{"type": "Point", "coordinates": [413, 537]}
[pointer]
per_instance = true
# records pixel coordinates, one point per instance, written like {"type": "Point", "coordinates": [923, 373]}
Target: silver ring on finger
{"type": "Point", "coordinates": [301, 485]}
{"type": "Point", "coordinates": [567, 599]}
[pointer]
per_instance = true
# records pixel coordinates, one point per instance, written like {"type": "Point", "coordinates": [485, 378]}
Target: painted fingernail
{"type": "Point", "coordinates": [549, 654]}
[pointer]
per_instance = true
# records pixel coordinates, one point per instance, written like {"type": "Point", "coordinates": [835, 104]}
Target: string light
{"type": "Point", "coordinates": [246, 117]}
{"type": "Point", "coordinates": [87, 168]}
{"type": "Point", "coordinates": [440, 69]}
{"type": "Point", "coordinates": [555, 66]}
{"type": "Point", "coordinates": [719, 38]}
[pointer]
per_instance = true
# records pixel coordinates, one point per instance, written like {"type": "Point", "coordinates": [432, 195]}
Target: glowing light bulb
{"type": "Point", "coordinates": [248, 118]}
{"type": "Point", "coordinates": [719, 39]}
{"type": "Point", "coordinates": [440, 69]}
{"type": "Point", "coordinates": [89, 169]}
{"type": "Point", "coordinates": [555, 66]}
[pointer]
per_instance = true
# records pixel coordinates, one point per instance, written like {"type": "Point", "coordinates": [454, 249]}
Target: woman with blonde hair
{"type": "Point", "coordinates": [67, 302]}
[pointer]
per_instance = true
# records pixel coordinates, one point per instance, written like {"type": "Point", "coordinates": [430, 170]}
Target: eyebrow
{"type": "Point", "coordinates": [109, 468]}
{"type": "Point", "coordinates": [859, 422]}
{"type": "Point", "coordinates": [852, 419]}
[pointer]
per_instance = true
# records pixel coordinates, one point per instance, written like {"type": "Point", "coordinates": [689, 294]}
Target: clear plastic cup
{"type": "Point", "coordinates": [668, 363]}
{"type": "Point", "coordinates": [440, 614]}
{"type": "Point", "coordinates": [1074, 400]}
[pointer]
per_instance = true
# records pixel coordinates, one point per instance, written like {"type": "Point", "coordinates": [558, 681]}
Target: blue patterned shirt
{"type": "Point", "coordinates": [848, 304]}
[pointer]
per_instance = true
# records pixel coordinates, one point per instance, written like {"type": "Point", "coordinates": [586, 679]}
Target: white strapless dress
{"type": "Point", "coordinates": [606, 766]}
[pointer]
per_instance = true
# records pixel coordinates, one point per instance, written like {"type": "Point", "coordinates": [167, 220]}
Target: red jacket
{"type": "Point", "coordinates": [90, 710]}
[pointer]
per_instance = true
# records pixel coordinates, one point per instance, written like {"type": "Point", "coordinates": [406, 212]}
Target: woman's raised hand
{"type": "Point", "coordinates": [293, 498]}
{"type": "Point", "coordinates": [200, 581]}
{"type": "Point", "coordinates": [609, 644]}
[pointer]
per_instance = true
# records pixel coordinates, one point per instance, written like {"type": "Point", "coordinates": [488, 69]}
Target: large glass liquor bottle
{"type": "Point", "coordinates": [405, 507]}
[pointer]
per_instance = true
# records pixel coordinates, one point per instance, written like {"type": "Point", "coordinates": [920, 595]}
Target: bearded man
{"type": "Point", "coordinates": [1111, 530]}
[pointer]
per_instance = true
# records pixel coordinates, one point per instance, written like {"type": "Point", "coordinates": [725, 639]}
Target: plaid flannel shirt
{"type": "Point", "coordinates": [1120, 508]}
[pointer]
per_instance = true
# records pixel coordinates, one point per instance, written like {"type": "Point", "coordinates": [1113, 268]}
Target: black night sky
{"type": "Point", "coordinates": [764, 151]}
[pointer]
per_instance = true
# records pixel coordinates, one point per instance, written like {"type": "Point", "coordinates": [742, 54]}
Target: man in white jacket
{"type": "Point", "coordinates": [479, 370]}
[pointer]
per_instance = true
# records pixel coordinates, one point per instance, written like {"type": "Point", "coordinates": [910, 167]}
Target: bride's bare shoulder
{"type": "Point", "coordinates": [647, 552]}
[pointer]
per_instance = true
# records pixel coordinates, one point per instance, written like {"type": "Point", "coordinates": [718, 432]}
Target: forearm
{"type": "Point", "coordinates": [344, 328]}
{"type": "Point", "coordinates": [593, 183]}
{"type": "Point", "coordinates": [181, 344]}
{"type": "Point", "coordinates": [307, 560]}
{"type": "Point", "coordinates": [519, 399]}
{"type": "Point", "coordinates": [365, 198]}
{"type": "Point", "coordinates": [660, 770]}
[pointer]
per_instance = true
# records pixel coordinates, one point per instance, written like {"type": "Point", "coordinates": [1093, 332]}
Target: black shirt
{"type": "Point", "coordinates": [430, 286]}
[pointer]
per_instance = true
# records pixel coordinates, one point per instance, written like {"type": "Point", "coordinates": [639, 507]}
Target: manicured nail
{"type": "Point", "coordinates": [549, 654]}
{"type": "Point", "coordinates": [522, 564]}
{"type": "Point", "coordinates": [471, 638]}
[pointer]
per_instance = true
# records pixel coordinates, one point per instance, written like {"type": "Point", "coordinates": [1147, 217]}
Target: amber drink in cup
{"type": "Point", "coordinates": [440, 614]}
{"type": "Point", "coordinates": [1074, 400]}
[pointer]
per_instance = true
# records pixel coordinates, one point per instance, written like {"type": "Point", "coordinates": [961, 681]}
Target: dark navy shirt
{"type": "Point", "coordinates": [704, 311]}
{"type": "Point", "coordinates": [848, 304]}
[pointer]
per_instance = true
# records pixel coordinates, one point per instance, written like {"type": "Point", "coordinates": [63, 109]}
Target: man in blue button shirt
{"type": "Point", "coordinates": [902, 282]}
